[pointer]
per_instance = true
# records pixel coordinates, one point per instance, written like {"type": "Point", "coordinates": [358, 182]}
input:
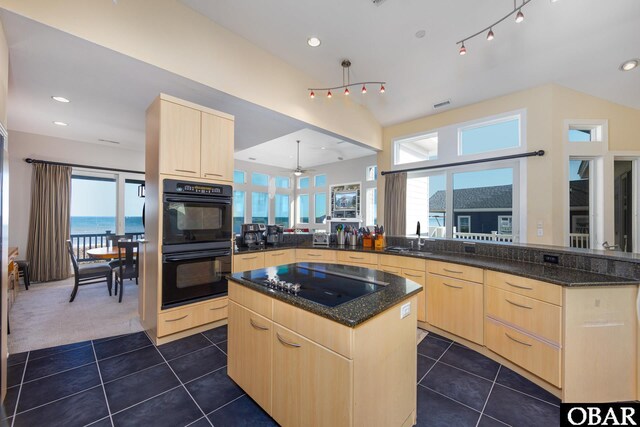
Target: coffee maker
{"type": "Point", "coordinates": [252, 236]}
{"type": "Point", "coordinates": [275, 235]}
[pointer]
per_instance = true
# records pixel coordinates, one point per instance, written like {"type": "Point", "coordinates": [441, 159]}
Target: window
{"type": "Point", "coordinates": [282, 182]}
{"type": "Point", "coordinates": [93, 205]}
{"type": "Point", "coordinates": [238, 210]}
{"type": "Point", "coordinates": [282, 210]}
{"type": "Point", "coordinates": [320, 180]}
{"type": "Point", "coordinates": [372, 173]}
{"type": "Point", "coordinates": [426, 202]}
{"type": "Point", "coordinates": [238, 177]}
{"type": "Point", "coordinates": [133, 205]}
{"type": "Point", "coordinates": [490, 136]}
{"type": "Point", "coordinates": [303, 182]}
{"type": "Point", "coordinates": [585, 133]}
{"type": "Point", "coordinates": [464, 224]}
{"type": "Point", "coordinates": [372, 206]}
{"type": "Point", "coordinates": [260, 179]}
{"type": "Point", "coordinates": [260, 208]}
{"type": "Point", "coordinates": [505, 224]}
{"type": "Point", "coordinates": [579, 203]}
{"type": "Point", "coordinates": [320, 200]}
{"type": "Point", "coordinates": [303, 208]}
{"type": "Point", "coordinates": [416, 149]}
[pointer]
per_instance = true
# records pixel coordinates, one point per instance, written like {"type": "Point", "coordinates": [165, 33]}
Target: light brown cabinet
{"type": "Point", "coordinates": [190, 316]}
{"type": "Point", "coordinates": [248, 261]}
{"type": "Point", "coordinates": [284, 256]}
{"type": "Point", "coordinates": [315, 255]}
{"type": "Point", "coordinates": [195, 143]}
{"type": "Point", "coordinates": [412, 269]}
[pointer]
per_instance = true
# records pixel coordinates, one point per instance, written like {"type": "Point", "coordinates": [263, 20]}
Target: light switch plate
{"type": "Point", "coordinates": [405, 310]}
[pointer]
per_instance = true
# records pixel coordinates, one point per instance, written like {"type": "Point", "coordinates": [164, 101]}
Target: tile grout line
{"type": "Point", "coordinates": [61, 372]}
{"type": "Point", "coordinates": [224, 352]}
{"type": "Point", "coordinates": [211, 341]}
{"type": "Point", "coordinates": [204, 375]}
{"type": "Point", "coordinates": [495, 419]}
{"type": "Point", "coordinates": [96, 421]}
{"type": "Point", "coordinates": [102, 384]}
{"type": "Point", "coordinates": [133, 373]}
{"type": "Point", "coordinates": [529, 395]}
{"type": "Point", "coordinates": [60, 352]}
{"type": "Point", "coordinates": [147, 399]}
{"type": "Point", "coordinates": [465, 371]}
{"type": "Point", "coordinates": [24, 372]}
{"type": "Point", "coordinates": [124, 352]}
{"type": "Point", "coordinates": [62, 398]}
{"type": "Point", "coordinates": [488, 395]}
{"type": "Point", "coordinates": [450, 398]}
{"type": "Point", "coordinates": [436, 361]}
{"type": "Point", "coordinates": [228, 403]}
{"type": "Point", "coordinates": [179, 380]}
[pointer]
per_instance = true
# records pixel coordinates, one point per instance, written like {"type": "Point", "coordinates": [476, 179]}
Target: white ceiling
{"type": "Point", "coordinates": [109, 92]}
{"type": "Point", "coordinates": [315, 149]}
{"type": "Point", "coordinates": [575, 43]}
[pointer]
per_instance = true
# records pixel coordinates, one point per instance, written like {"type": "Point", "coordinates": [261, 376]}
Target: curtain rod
{"type": "Point", "coordinates": [74, 165]}
{"type": "Point", "coordinates": [470, 162]}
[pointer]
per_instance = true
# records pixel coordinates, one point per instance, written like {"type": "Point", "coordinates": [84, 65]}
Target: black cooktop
{"type": "Point", "coordinates": [327, 288]}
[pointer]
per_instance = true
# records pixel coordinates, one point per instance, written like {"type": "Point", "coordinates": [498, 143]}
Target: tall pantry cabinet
{"type": "Point", "coordinates": [183, 140]}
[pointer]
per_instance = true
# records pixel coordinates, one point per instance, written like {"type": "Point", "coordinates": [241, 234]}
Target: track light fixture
{"type": "Point", "coordinates": [346, 83]}
{"type": "Point", "coordinates": [517, 10]}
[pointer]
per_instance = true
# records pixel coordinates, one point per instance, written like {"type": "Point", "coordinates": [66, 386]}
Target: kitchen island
{"type": "Point", "coordinates": [337, 351]}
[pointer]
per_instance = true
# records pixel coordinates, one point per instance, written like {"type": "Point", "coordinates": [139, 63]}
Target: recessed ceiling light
{"type": "Point", "coordinates": [313, 41]}
{"type": "Point", "coordinates": [60, 123]}
{"type": "Point", "coordinates": [60, 99]}
{"type": "Point", "coordinates": [420, 34]}
{"type": "Point", "coordinates": [323, 148]}
{"type": "Point", "coordinates": [629, 65]}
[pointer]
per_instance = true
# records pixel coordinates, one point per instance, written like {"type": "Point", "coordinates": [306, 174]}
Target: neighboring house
{"type": "Point", "coordinates": [579, 206]}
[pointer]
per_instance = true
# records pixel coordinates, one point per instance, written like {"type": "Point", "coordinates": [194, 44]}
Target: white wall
{"type": "Point", "coordinates": [24, 145]}
{"type": "Point", "coordinates": [345, 172]}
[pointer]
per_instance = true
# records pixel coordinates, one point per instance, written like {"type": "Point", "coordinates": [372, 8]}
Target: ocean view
{"type": "Point", "coordinates": [100, 224]}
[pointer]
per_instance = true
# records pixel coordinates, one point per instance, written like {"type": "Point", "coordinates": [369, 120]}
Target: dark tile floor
{"type": "Point", "coordinates": [127, 381]}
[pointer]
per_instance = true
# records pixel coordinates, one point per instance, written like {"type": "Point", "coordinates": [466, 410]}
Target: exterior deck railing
{"type": "Point", "coordinates": [82, 242]}
{"type": "Point", "coordinates": [579, 240]}
{"type": "Point", "coordinates": [492, 237]}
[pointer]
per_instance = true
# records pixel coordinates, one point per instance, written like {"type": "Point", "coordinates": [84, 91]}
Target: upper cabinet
{"type": "Point", "coordinates": [195, 141]}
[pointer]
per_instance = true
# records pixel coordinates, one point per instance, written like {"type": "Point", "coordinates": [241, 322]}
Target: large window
{"type": "Point", "coordinates": [303, 208]}
{"type": "Point", "coordinates": [133, 205]}
{"type": "Point", "coordinates": [372, 206]}
{"type": "Point", "coordinates": [239, 207]}
{"type": "Point", "coordinates": [259, 208]}
{"type": "Point", "coordinates": [426, 202]}
{"type": "Point", "coordinates": [303, 182]}
{"type": "Point", "coordinates": [282, 210]}
{"type": "Point", "coordinates": [238, 177]}
{"type": "Point", "coordinates": [320, 181]}
{"type": "Point", "coordinates": [371, 173]}
{"type": "Point", "coordinates": [579, 203]}
{"type": "Point", "coordinates": [416, 149]}
{"type": "Point", "coordinates": [282, 182]}
{"type": "Point", "coordinates": [320, 207]}
{"type": "Point", "coordinates": [490, 136]}
{"type": "Point", "coordinates": [260, 179]}
{"type": "Point", "coordinates": [93, 205]}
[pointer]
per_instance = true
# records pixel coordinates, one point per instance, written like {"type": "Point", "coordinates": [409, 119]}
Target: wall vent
{"type": "Point", "coordinates": [110, 141]}
{"type": "Point", "coordinates": [378, 2]}
{"type": "Point", "coordinates": [442, 104]}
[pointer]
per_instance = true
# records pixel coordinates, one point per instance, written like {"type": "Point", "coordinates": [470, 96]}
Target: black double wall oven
{"type": "Point", "coordinates": [196, 242]}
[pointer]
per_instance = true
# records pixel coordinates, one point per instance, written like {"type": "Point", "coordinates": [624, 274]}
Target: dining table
{"type": "Point", "coordinates": [106, 252]}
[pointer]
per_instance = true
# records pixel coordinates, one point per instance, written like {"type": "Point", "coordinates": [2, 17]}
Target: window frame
{"type": "Point", "coordinates": [468, 217]}
{"type": "Point", "coordinates": [410, 138]}
{"type": "Point", "coordinates": [315, 177]}
{"type": "Point", "coordinates": [298, 216]}
{"type": "Point", "coordinates": [315, 207]}
{"type": "Point", "coordinates": [488, 121]}
{"type": "Point", "coordinates": [375, 175]}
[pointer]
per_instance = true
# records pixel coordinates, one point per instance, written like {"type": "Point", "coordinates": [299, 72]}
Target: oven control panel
{"type": "Point", "coordinates": [198, 188]}
{"type": "Point", "coordinates": [172, 186]}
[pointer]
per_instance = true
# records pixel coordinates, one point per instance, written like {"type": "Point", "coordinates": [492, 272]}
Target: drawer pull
{"type": "Point", "coordinates": [355, 257]}
{"type": "Point", "coordinates": [390, 271]}
{"type": "Point", "coordinates": [285, 342]}
{"type": "Point", "coordinates": [219, 308]}
{"type": "Point", "coordinates": [213, 174]}
{"type": "Point", "coordinates": [258, 327]}
{"type": "Point", "coordinates": [518, 286]}
{"type": "Point", "coordinates": [413, 275]}
{"type": "Point", "coordinates": [252, 257]}
{"type": "Point", "coordinates": [518, 305]}
{"type": "Point", "coordinates": [314, 254]}
{"type": "Point", "coordinates": [451, 286]}
{"type": "Point", "coordinates": [179, 318]}
{"type": "Point", "coordinates": [452, 271]}
{"type": "Point", "coordinates": [184, 170]}
{"type": "Point", "coordinates": [277, 254]}
{"type": "Point", "coordinates": [518, 341]}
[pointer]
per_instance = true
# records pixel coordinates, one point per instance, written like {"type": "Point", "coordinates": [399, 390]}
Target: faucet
{"type": "Point", "coordinates": [420, 242]}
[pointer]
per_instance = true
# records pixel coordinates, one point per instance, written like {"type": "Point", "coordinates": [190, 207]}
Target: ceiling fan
{"type": "Point", "coordinates": [298, 171]}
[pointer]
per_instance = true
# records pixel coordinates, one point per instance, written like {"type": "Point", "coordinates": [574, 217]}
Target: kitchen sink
{"type": "Point", "coordinates": [405, 250]}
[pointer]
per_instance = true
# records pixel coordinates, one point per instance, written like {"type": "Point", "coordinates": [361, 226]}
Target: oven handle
{"type": "Point", "coordinates": [199, 199]}
{"type": "Point", "coordinates": [195, 255]}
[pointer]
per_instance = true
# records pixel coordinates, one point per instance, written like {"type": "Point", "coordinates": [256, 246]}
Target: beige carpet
{"type": "Point", "coordinates": [43, 317]}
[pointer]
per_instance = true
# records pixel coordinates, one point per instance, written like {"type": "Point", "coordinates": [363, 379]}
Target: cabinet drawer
{"type": "Point", "coordinates": [389, 269]}
{"type": "Point", "coordinates": [323, 331]}
{"type": "Point", "coordinates": [420, 277]}
{"type": "Point", "coordinates": [537, 317]}
{"type": "Point", "coordinates": [455, 306]}
{"type": "Point", "coordinates": [252, 300]}
{"type": "Point", "coordinates": [464, 272]}
{"type": "Point", "coordinates": [358, 257]}
{"type": "Point", "coordinates": [215, 310]}
{"type": "Point", "coordinates": [250, 261]}
{"type": "Point", "coordinates": [181, 319]}
{"type": "Point", "coordinates": [317, 255]}
{"type": "Point", "coordinates": [402, 262]}
{"type": "Point", "coordinates": [528, 287]}
{"type": "Point", "coordinates": [535, 356]}
{"type": "Point", "coordinates": [286, 256]}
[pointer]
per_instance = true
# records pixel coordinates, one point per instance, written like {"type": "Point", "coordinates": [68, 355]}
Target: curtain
{"type": "Point", "coordinates": [49, 223]}
{"type": "Point", "coordinates": [395, 204]}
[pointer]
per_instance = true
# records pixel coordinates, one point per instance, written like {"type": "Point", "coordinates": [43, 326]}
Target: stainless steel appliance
{"type": "Point", "coordinates": [252, 236]}
{"type": "Point", "coordinates": [196, 214]}
{"type": "Point", "coordinates": [274, 235]}
{"type": "Point", "coordinates": [321, 238]}
{"type": "Point", "coordinates": [196, 241]}
{"type": "Point", "coordinates": [192, 276]}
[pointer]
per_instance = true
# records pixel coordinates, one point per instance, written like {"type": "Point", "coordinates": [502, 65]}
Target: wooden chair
{"type": "Point", "coordinates": [128, 267]}
{"type": "Point", "coordinates": [113, 239]}
{"type": "Point", "coordinates": [88, 273]}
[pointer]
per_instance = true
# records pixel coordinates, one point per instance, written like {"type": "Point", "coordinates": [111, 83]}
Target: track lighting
{"type": "Point", "coordinates": [346, 83]}
{"type": "Point", "coordinates": [490, 35]}
{"type": "Point", "coordinates": [463, 50]}
{"type": "Point", "coordinates": [519, 17]}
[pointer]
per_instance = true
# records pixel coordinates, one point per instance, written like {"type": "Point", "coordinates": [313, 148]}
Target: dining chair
{"type": "Point", "coordinates": [128, 267]}
{"type": "Point", "coordinates": [88, 273]}
{"type": "Point", "coordinates": [112, 240]}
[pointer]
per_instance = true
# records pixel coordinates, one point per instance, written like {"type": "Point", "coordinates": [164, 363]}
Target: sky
{"type": "Point", "coordinates": [98, 198]}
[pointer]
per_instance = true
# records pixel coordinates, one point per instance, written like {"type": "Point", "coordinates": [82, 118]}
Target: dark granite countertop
{"type": "Point", "coordinates": [353, 312]}
{"type": "Point", "coordinates": [282, 246]}
{"type": "Point", "coordinates": [545, 272]}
